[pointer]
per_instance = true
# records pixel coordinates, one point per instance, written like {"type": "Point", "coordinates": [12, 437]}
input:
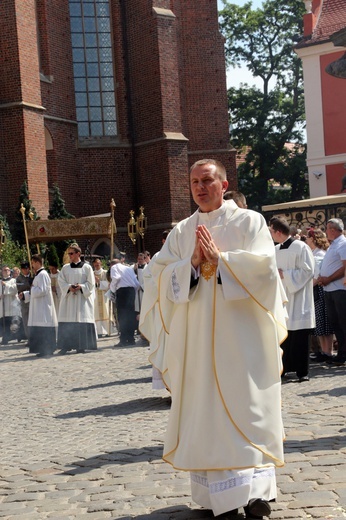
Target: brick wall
{"type": "Point", "coordinates": [23, 143]}
{"type": "Point", "coordinates": [171, 108]}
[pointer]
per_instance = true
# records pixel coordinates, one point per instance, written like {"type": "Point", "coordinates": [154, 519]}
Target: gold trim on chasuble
{"type": "Point", "coordinates": [254, 299]}
{"type": "Point", "coordinates": [269, 455]}
{"type": "Point", "coordinates": [102, 315]}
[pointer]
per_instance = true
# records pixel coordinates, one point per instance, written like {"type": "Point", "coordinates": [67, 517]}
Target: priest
{"type": "Point", "coordinates": [219, 305]}
{"type": "Point", "coordinates": [101, 304]}
{"type": "Point", "coordinates": [76, 328]}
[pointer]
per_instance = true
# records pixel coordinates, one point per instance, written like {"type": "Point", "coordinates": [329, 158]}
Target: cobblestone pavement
{"type": "Point", "coordinates": [81, 439]}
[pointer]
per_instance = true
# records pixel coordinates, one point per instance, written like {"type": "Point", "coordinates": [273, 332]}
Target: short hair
{"type": "Point", "coordinates": [280, 224]}
{"type": "Point", "coordinates": [147, 253]}
{"type": "Point", "coordinates": [165, 233]}
{"type": "Point", "coordinates": [336, 223]}
{"type": "Point", "coordinates": [220, 169]}
{"type": "Point", "coordinates": [75, 246]}
{"type": "Point", "coordinates": [37, 258]}
{"type": "Point", "coordinates": [236, 196]}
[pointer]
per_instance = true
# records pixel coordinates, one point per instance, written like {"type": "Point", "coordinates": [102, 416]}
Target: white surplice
{"type": "Point", "coordinates": [218, 351]}
{"type": "Point", "coordinates": [298, 265]}
{"type": "Point", "coordinates": [77, 307]}
{"type": "Point", "coordinates": [42, 309]}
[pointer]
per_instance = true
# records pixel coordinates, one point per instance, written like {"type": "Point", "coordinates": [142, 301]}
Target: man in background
{"type": "Point", "coordinates": [101, 305]}
{"type": "Point", "coordinates": [238, 197]}
{"type": "Point", "coordinates": [76, 328]}
{"type": "Point", "coordinates": [296, 266]}
{"type": "Point", "coordinates": [332, 272]}
{"type": "Point", "coordinates": [54, 275]}
{"type": "Point", "coordinates": [24, 282]}
{"type": "Point", "coordinates": [125, 285]}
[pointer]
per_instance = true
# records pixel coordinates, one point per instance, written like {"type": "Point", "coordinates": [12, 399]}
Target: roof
{"type": "Point", "coordinates": [332, 19]}
{"type": "Point", "coordinates": [305, 203]}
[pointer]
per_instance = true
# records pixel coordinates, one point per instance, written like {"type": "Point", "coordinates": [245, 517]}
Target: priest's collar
{"type": "Point", "coordinates": [76, 265]}
{"type": "Point", "coordinates": [217, 212]}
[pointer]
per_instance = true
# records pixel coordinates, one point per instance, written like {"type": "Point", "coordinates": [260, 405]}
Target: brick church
{"type": "Point", "coordinates": [111, 99]}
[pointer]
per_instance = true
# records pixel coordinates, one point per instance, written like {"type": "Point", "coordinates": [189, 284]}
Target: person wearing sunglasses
{"type": "Point", "coordinates": [76, 328]}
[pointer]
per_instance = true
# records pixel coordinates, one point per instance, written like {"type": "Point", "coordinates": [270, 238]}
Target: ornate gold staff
{"type": "Point", "coordinates": [113, 227]}
{"type": "Point", "coordinates": [113, 231]}
{"type": "Point", "coordinates": [22, 210]}
{"type": "Point", "coordinates": [31, 215]}
{"type": "Point", "coordinates": [2, 243]}
{"type": "Point", "coordinates": [2, 240]}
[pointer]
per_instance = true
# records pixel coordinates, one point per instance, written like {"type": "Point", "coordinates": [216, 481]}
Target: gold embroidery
{"type": "Point", "coordinates": [208, 270]}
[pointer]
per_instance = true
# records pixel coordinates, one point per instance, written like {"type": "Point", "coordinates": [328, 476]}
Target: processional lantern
{"type": "Point", "coordinates": [137, 227]}
{"type": "Point", "coordinates": [141, 222]}
{"type": "Point", "coordinates": [132, 227]}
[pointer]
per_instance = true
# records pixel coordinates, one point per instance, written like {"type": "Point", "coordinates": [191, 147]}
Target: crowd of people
{"type": "Point", "coordinates": [71, 308]}
{"type": "Point", "coordinates": [228, 304]}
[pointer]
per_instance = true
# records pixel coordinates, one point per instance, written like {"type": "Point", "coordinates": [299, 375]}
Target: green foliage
{"type": "Point", "coordinates": [52, 257]}
{"type": "Point", "coordinates": [58, 210]}
{"type": "Point", "coordinates": [13, 254]}
{"type": "Point", "coordinates": [265, 119]}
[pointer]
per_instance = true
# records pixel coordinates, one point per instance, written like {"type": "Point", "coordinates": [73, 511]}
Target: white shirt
{"type": "Point", "coordinates": [333, 260]}
{"type": "Point", "coordinates": [123, 276]}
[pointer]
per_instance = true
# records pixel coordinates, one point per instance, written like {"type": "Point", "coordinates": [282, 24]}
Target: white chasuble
{"type": "Point", "coordinates": [101, 304]}
{"type": "Point", "coordinates": [218, 344]}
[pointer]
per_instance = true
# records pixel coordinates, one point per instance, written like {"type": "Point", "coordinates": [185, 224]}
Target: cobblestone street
{"type": "Point", "coordinates": [81, 439]}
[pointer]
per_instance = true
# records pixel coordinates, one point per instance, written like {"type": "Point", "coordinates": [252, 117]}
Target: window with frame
{"type": "Point", "coordinates": [93, 68]}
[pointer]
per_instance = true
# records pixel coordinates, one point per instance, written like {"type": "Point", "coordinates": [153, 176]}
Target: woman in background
{"type": "Point", "coordinates": [318, 243]}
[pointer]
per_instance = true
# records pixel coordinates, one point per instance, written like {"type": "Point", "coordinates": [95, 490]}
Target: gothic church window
{"type": "Point", "coordinates": [93, 68]}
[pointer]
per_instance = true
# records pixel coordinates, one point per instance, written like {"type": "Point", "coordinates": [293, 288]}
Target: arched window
{"type": "Point", "coordinates": [93, 68]}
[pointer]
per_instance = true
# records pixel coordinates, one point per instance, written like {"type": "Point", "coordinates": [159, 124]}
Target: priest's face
{"type": "Point", "coordinates": [207, 187]}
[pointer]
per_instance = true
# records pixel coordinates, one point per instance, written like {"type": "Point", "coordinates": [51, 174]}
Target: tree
{"type": "Point", "coordinates": [266, 119]}
{"type": "Point", "coordinates": [11, 253]}
{"type": "Point", "coordinates": [52, 257]}
{"type": "Point", "coordinates": [58, 210]}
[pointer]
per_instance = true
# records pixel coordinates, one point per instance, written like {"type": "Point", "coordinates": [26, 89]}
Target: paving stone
{"type": "Point", "coordinates": [87, 432]}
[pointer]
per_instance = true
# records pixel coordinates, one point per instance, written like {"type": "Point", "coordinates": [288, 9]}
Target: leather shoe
{"type": "Point", "coordinates": [302, 379]}
{"type": "Point", "coordinates": [257, 508]}
{"type": "Point", "coordinates": [337, 361]}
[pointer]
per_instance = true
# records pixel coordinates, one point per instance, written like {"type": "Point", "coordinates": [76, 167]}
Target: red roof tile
{"type": "Point", "coordinates": [332, 18]}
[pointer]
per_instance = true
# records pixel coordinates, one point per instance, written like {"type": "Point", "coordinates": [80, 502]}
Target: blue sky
{"type": "Point", "coordinates": [242, 75]}
{"type": "Point", "coordinates": [255, 3]}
